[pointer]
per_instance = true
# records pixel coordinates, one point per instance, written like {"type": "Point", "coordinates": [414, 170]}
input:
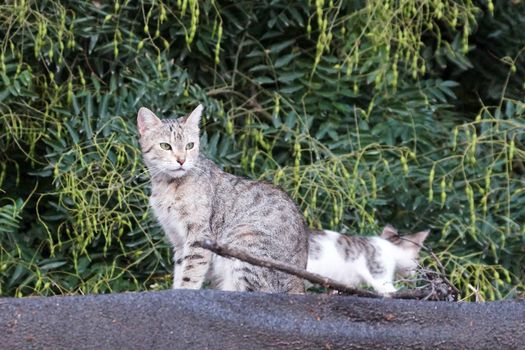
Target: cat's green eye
{"type": "Point", "coordinates": [189, 145]}
{"type": "Point", "coordinates": [165, 146]}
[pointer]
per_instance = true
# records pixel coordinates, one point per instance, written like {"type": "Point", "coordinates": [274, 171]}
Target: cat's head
{"type": "Point", "coordinates": [170, 147]}
{"type": "Point", "coordinates": [410, 245]}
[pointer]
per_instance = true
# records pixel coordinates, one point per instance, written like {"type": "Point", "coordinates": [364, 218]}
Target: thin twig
{"type": "Point", "coordinates": [442, 270]}
{"type": "Point", "coordinates": [242, 255]}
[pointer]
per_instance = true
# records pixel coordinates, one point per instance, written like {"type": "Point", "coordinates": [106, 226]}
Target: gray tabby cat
{"type": "Point", "coordinates": [194, 200]}
{"type": "Point", "coordinates": [372, 260]}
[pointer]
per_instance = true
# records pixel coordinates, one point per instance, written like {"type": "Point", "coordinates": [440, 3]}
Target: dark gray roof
{"type": "Point", "coordinates": [184, 319]}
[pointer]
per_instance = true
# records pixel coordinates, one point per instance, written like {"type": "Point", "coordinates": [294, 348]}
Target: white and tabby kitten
{"type": "Point", "coordinates": [371, 260]}
{"type": "Point", "coordinates": [193, 200]}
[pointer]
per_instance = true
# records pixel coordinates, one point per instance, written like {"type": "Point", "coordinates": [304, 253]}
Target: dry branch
{"type": "Point", "coordinates": [454, 290]}
{"type": "Point", "coordinates": [230, 252]}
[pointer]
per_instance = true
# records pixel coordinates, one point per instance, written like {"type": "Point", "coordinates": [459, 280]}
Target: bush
{"type": "Point", "coordinates": [366, 113]}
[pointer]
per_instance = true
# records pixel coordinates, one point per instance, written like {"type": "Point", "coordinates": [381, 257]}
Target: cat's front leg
{"type": "Point", "coordinates": [177, 268]}
{"type": "Point", "coordinates": [194, 263]}
{"type": "Point", "coordinates": [381, 284]}
{"type": "Point", "coordinates": [384, 287]}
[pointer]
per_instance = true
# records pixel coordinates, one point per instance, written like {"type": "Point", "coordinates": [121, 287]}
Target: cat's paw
{"type": "Point", "coordinates": [386, 290]}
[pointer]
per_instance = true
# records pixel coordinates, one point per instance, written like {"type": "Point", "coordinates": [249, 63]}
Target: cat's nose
{"type": "Point", "coordinates": [180, 160]}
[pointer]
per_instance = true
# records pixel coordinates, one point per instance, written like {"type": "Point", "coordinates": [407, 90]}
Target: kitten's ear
{"type": "Point", "coordinates": [146, 119]}
{"type": "Point", "coordinates": [418, 238]}
{"type": "Point", "coordinates": [193, 120]}
{"type": "Point", "coordinates": [389, 232]}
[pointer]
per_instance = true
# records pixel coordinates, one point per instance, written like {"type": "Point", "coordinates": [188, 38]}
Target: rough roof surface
{"type": "Point", "coordinates": [183, 319]}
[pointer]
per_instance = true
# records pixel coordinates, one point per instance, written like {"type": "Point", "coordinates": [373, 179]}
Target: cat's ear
{"type": "Point", "coordinates": [146, 119]}
{"type": "Point", "coordinates": [194, 118]}
{"type": "Point", "coordinates": [417, 238]}
{"type": "Point", "coordinates": [389, 232]}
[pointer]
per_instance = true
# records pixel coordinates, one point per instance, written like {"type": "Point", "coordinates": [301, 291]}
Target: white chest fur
{"type": "Point", "coordinates": [163, 203]}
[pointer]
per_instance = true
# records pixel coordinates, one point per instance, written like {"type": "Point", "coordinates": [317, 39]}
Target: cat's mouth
{"type": "Point", "coordinates": [177, 172]}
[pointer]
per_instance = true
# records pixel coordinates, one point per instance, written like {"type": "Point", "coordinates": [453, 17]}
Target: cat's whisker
{"type": "Point", "coordinates": [196, 168]}
{"type": "Point", "coordinates": [154, 171]}
{"type": "Point", "coordinates": [151, 172]}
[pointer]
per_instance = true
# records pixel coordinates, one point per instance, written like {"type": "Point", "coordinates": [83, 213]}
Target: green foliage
{"type": "Point", "coordinates": [350, 106]}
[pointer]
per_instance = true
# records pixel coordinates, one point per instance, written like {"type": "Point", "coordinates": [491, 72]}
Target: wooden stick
{"type": "Point", "coordinates": [242, 255]}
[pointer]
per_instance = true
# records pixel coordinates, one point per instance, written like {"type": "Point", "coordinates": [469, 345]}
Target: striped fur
{"type": "Point", "coordinates": [193, 199]}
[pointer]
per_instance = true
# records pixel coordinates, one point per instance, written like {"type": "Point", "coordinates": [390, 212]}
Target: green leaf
{"type": "Point", "coordinates": [276, 48]}
{"type": "Point", "coordinates": [289, 77]}
{"type": "Point", "coordinates": [264, 80]}
{"type": "Point", "coordinates": [284, 60]}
